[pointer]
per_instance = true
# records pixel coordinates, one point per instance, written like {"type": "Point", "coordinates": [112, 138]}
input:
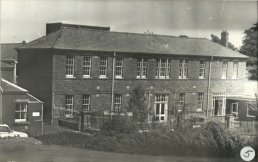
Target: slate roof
{"type": "Point", "coordinates": [8, 50]}
{"type": "Point", "coordinates": [10, 87]}
{"type": "Point", "coordinates": [99, 40]}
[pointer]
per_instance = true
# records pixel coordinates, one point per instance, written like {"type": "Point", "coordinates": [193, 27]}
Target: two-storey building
{"type": "Point", "coordinates": [89, 68]}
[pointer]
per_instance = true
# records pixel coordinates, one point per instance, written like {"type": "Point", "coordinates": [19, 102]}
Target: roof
{"type": "Point", "coordinates": [101, 40]}
{"type": "Point", "coordinates": [10, 87]}
{"type": "Point", "coordinates": [8, 50]}
{"type": "Point", "coordinates": [249, 92]}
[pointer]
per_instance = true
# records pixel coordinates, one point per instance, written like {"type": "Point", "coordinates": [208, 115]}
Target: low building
{"type": "Point", "coordinates": [80, 68]}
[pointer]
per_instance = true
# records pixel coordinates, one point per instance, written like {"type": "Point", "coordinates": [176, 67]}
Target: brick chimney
{"type": "Point", "coordinates": [224, 38]}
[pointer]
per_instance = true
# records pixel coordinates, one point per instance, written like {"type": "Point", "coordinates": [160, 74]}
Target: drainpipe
{"type": "Point", "coordinates": [14, 72]}
{"type": "Point", "coordinates": [42, 126]}
{"type": "Point", "coordinates": [208, 88]}
{"type": "Point", "coordinates": [112, 88]}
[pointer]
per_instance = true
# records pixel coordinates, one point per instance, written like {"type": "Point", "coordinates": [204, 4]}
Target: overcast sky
{"type": "Point", "coordinates": [26, 19]}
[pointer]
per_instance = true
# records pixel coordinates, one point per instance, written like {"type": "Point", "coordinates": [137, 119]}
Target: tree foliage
{"type": "Point", "coordinates": [138, 104]}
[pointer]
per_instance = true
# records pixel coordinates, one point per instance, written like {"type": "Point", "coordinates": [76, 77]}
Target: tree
{"type": "Point", "coordinates": [216, 39]}
{"type": "Point", "coordinates": [138, 105]}
{"type": "Point", "coordinates": [249, 48]}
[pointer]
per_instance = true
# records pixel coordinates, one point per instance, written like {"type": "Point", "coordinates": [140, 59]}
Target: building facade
{"type": "Point", "coordinates": [89, 69]}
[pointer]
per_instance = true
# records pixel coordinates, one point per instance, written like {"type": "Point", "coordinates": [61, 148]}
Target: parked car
{"type": "Point", "coordinates": [5, 131]}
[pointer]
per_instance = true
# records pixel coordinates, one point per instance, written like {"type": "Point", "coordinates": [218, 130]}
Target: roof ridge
{"type": "Point", "coordinates": [135, 33]}
{"type": "Point", "coordinates": [58, 37]}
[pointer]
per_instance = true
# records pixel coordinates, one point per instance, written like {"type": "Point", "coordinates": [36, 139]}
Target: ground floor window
{"type": "Point", "coordinates": [218, 104]}
{"type": "Point", "coordinates": [21, 110]}
{"type": "Point", "coordinates": [160, 107]}
{"type": "Point", "coordinates": [86, 102]}
{"type": "Point", "coordinates": [117, 103]}
{"type": "Point", "coordinates": [251, 110]}
{"type": "Point", "coordinates": [200, 102]}
{"type": "Point", "coordinates": [68, 105]}
{"type": "Point", "coordinates": [234, 108]}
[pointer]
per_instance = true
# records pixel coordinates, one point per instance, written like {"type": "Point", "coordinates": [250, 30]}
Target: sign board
{"type": "Point", "coordinates": [35, 113]}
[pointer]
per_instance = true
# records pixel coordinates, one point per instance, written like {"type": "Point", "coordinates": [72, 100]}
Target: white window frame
{"type": "Point", "coordinates": [119, 68]}
{"type": "Point", "coordinates": [86, 102]}
{"type": "Point", "coordinates": [247, 111]}
{"type": "Point", "coordinates": [183, 69]}
{"type": "Point", "coordinates": [117, 102]}
{"type": "Point", "coordinates": [103, 67]}
{"type": "Point", "coordinates": [87, 66]}
{"type": "Point", "coordinates": [161, 102]}
{"type": "Point", "coordinates": [181, 100]}
{"type": "Point", "coordinates": [23, 108]}
{"type": "Point", "coordinates": [202, 69]}
{"type": "Point", "coordinates": [235, 70]}
{"type": "Point", "coordinates": [224, 70]}
{"type": "Point", "coordinates": [69, 107]}
{"type": "Point", "coordinates": [200, 101]}
{"type": "Point", "coordinates": [232, 108]}
{"type": "Point", "coordinates": [219, 96]}
{"type": "Point", "coordinates": [70, 67]}
{"type": "Point", "coordinates": [141, 68]}
{"type": "Point", "coordinates": [163, 72]}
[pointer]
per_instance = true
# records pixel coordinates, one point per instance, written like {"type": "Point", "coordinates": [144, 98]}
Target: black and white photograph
{"type": "Point", "coordinates": [128, 81]}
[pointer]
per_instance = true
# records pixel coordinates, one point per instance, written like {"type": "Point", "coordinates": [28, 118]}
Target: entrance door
{"type": "Point", "coordinates": [219, 104]}
{"type": "Point", "coordinates": [161, 106]}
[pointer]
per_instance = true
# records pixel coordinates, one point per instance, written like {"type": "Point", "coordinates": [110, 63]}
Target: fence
{"type": "Point", "coordinates": [244, 127]}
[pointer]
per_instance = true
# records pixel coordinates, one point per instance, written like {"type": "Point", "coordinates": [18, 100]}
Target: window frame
{"type": "Point", "coordinates": [20, 111]}
{"type": "Point", "coordinates": [181, 99]}
{"type": "Point", "coordinates": [224, 70]}
{"type": "Point", "coordinates": [161, 100]}
{"type": "Point", "coordinates": [247, 110]}
{"type": "Point", "coordinates": [141, 68]}
{"type": "Point", "coordinates": [69, 106]}
{"type": "Point", "coordinates": [202, 69]}
{"type": "Point", "coordinates": [117, 103]}
{"type": "Point", "coordinates": [103, 67]}
{"type": "Point", "coordinates": [119, 63]}
{"type": "Point", "coordinates": [235, 70]}
{"type": "Point", "coordinates": [200, 101]}
{"type": "Point", "coordinates": [183, 69]}
{"type": "Point", "coordinates": [70, 67]}
{"type": "Point", "coordinates": [86, 99]}
{"type": "Point", "coordinates": [167, 68]}
{"type": "Point", "coordinates": [87, 66]}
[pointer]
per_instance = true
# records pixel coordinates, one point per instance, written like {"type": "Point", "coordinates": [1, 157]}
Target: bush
{"type": "Point", "coordinates": [118, 125]}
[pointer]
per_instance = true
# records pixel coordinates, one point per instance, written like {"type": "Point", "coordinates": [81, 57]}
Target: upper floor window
{"type": "Point", "coordinates": [235, 70]}
{"type": "Point", "coordinates": [183, 69]}
{"type": "Point", "coordinates": [224, 70]}
{"type": "Point", "coordinates": [141, 68]}
{"type": "Point", "coordinates": [68, 105]}
{"type": "Point", "coordinates": [86, 102]}
{"type": "Point", "coordinates": [103, 67]}
{"type": "Point", "coordinates": [163, 68]}
{"type": "Point", "coordinates": [202, 70]}
{"type": "Point", "coordinates": [21, 109]}
{"type": "Point", "coordinates": [86, 66]}
{"type": "Point", "coordinates": [117, 103]}
{"type": "Point", "coordinates": [119, 68]}
{"type": "Point", "coordinates": [69, 66]}
{"type": "Point", "coordinates": [200, 101]}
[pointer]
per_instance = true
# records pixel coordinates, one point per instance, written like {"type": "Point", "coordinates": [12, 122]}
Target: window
{"type": "Point", "coordinates": [251, 110]}
{"type": "Point", "coordinates": [181, 100]}
{"type": "Point", "coordinates": [183, 69]}
{"type": "Point", "coordinates": [103, 67]}
{"type": "Point", "coordinates": [21, 109]}
{"type": "Point", "coordinates": [86, 66]}
{"type": "Point", "coordinates": [163, 68]}
{"type": "Point", "coordinates": [68, 105]}
{"type": "Point", "coordinates": [69, 66]}
{"type": "Point", "coordinates": [202, 70]}
{"type": "Point", "coordinates": [119, 68]}
{"type": "Point", "coordinates": [161, 104]}
{"type": "Point", "coordinates": [86, 102]}
{"type": "Point", "coordinates": [141, 68]}
{"type": "Point", "coordinates": [200, 101]}
{"type": "Point", "coordinates": [218, 104]}
{"type": "Point", "coordinates": [235, 70]}
{"type": "Point", "coordinates": [224, 70]}
{"type": "Point", "coordinates": [117, 103]}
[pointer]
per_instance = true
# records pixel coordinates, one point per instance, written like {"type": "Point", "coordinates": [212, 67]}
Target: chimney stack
{"type": "Point", "coordinates": [224, 38]}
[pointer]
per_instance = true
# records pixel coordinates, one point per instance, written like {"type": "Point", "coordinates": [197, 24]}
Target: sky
{"type": "Point", "coordinates": [26, 19]}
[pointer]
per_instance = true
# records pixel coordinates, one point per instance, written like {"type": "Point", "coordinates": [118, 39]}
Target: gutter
{"type": "Point", "coordinates": [208, 88]}
{"type": "Point", "coordinates": [112, 86]}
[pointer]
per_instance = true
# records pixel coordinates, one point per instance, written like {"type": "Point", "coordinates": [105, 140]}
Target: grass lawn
{"type": "Point", "coordinates": [20, 151]}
